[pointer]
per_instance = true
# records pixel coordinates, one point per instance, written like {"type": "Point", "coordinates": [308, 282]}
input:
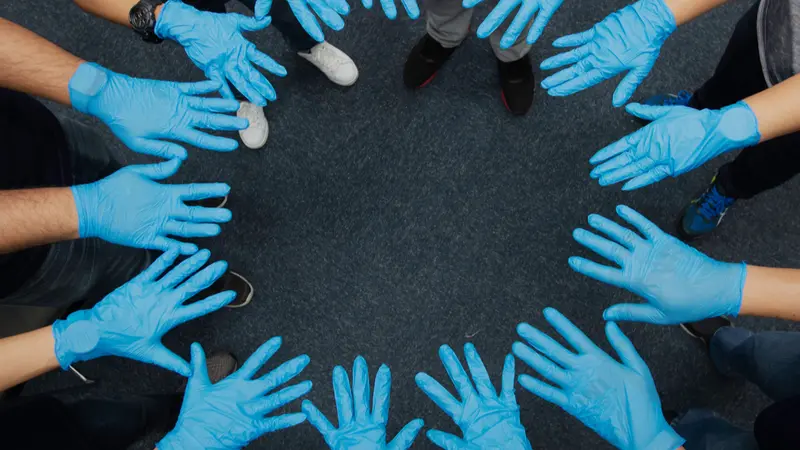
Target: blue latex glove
{"type": "Point", "coordinates": [230, 414]}
{"type": "Point", "coordinates": [131, 321]}
{"type": "Point", "coordinates": [146, 114]}
{"type": "Point", "coordinates": [389, 8]}
{"type": "Point", "coordinates": [527, 9]}
{"type": "Point", "coordinates": [681, 284]}
{"type": "Point", "coordinates": [330, 11]}
{"type": "Point", "coordinates": [628, 40]}
{"type": "Point", "coordinates": [487, 420]}
{"type": "Point", "coordinates": [681, 139]}
{"type": "Point", "coordinates": [129, 208]}
{"type": "Point", "coordinates": [215, 44]}
{"type": "Point", "coordinates": [361, 428]}
{"type": "Point", "coordinates": [617, 400]}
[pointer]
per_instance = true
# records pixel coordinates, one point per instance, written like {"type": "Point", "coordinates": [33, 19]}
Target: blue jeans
{"type": "Point", "coordinates": [770, 360]}
{"type": "Point", "coordinates": [85, 270]}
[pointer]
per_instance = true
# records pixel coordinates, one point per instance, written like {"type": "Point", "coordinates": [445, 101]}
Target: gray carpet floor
{"type": "Point", "coordinates": [384, 222]}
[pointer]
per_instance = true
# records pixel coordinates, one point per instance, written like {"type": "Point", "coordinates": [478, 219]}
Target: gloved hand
{"type": "Point", "coordinates": [389, 8]}
{"type": "Point", "coordinates": [618, 401]}
{"type": "Point", "coordinates": [131, 321]}
{"type": "Point", "coordinates": [360, 428]}
{"type": "Point", "coordinates": [330, 11]}
{"type": "Point", "coordinates": [487, 421]}
{"type": "Point", "coordinates": [230, 414]}
{"type": "Point", "coordinates": [681, 139]}
{"type": "Point", "coordinates": [215, 44]}
{"type": "Point", "coordinates": [628, 40]}
{"type": "Point", "coordinates": [527, 9]}
{"type": "Point", "coordinates": [146, 114]}
{"type": "Point", "coordinates": [129, 208]}
{"type": "Point", "coordinates": [681, 284]}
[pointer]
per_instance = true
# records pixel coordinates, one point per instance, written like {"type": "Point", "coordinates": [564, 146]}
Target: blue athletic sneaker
{"type": "Point", "coordinates": [680, 99]}
{"type": "Point", "coordinates": [704, 213]}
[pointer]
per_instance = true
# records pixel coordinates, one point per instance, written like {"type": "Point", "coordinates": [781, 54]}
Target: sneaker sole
{"type": "Point", "coordinates": [249, 296]}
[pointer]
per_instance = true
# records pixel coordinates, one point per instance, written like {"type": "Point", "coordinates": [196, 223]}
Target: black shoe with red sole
{"type": "Point", "coordinates": [425, 59]}
{"type": "Point", "coordinates": [517, 85]}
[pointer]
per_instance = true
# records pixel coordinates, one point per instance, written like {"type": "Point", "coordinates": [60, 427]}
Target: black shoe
{"type": "Point", "coordinates": [704, 330]}
{"type": "Point", "coordinates": [426, 58]}
{"type": "Point", "coordinates": [517, 85]}
{"type": "Point", "coordinates": [231, 281]}
{"type": "Point", "coordinates": [214, 202]}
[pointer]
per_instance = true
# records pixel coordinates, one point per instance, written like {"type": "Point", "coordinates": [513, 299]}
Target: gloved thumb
{"type": "Point", "coordinates": [157, 171]}
{"type": "Point", "coordinates": [253, 23]}
{"type": "Point", "coordinates": [628, 85]}
{"type": "Point", "coordinates": [199, 368]}
{"type": "Point", "coordinates": [262, 8]}
{"type": "Point", "coordinates": [447, 441]}
{"type": "Point", "coordinates": [648, 112]}
{"type": "Point", "coordinates": [630, 312]}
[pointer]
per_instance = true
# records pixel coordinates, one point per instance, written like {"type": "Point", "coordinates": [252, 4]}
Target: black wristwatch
{"type": "Point", "coordinates": [143, 20]}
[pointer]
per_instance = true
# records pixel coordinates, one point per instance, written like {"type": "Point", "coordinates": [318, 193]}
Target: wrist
{"type": "Point", "coordinates": [177, 440]}
{"type": "Point", "coordinates": [665, 24]}
{"type": "Point", "coordinates": [88, 209]}
{"type": "Point", "coordinates": [738, 126]}
{"type": "Point", "coordinates": [76, 338]}
{"type": "Point", "coordinates": [168, 19]}
{"type": "Point", "coordinates": [732, 287]}
{"type": "Point", "coordinates": [85, 85]}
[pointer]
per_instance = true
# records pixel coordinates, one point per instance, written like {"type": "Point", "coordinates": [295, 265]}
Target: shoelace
{"type": "Point", "coordinates": [251, 114]}
{"type": "Point", "coordinates": [682, 98]}
{"type": "Point", "coordinates": [713, 204]}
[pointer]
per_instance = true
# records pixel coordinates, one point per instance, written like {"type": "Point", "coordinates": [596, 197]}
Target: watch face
{"type": "Point", "coordinates": [141, 17]}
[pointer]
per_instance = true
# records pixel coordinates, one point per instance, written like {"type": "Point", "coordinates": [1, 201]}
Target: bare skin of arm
{"type": "Point", "coordinates": [29, 63]}
{"type": "Point", "coordinates": [31, 217]}
{"type": "Point", "coordinates": [113, 10]}
{"type": "Point", "coordinates": [26, 356]}
{"type": "Point", "coordinates": [771, 292]}
{"type": "Point", "coordinates": [687, 10]}
{"type": "Point", "coordinates": [777, 109]}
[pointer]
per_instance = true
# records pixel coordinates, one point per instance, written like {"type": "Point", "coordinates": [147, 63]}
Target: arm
{"type": "Point", "coordinates": [113, 10]}
{"type": "Point", "coordinates": [34, 65]}
{"type": "Point", "coordinates": [770, 292]}
{"type": "Point", "coordinates": [777, 109]}
{"type": "Point", "coordinates": [26, 356]}
{"type": "Point", "coordinates": [31, 217]}
{"type": "Point", "coordinates": [688, 10]}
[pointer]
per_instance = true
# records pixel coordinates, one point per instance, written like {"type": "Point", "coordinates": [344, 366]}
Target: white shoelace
{"type": "Point", "coordinates": [327, 58]}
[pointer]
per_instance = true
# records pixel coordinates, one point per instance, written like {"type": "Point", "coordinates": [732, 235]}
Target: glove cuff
{"type": "Point", "coordinates": [85, 84]}
{"type": "Point", "coordinates": [86, 206]}
{"type": "Point", "coordinates": [659, 16]}
{"type": "Point", "coordinates": [667, 439]}
{"type": "Point", "coordinates": [176, 440]}
{"type": "Point", "coordinates": [739, 126]}
{"type": "Point", "coordinates": [76, 338]}
{"type": "Point", "coordinates": [167, 24]}
{"type": "Point", "coordinates": [738, 276]}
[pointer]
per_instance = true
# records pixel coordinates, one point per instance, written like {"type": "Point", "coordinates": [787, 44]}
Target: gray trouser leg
{"type": "Point", "coordinates": [449, 24]}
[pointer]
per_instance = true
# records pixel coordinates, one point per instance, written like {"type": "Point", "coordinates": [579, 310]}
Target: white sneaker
{"type": "Point", "coordinates": [334, 63]}
{"type": "Point", "coordinates": [254, 136]}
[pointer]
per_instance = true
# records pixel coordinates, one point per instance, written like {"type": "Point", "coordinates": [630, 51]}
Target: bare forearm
{"type": "Point", "coordinates": [32, 64]}
{"type": "Point", "coordinates": [114, 10]}
{"type": "Point", "coordinates": [31, 217]}
{"type": "Point", "coordinates": [777, 109]}
{"type": "Point", "coordinates": [771, 292]}
{"type": "Point", "coordinates": [687, 10]}
{"type": "Point", "coordinates": [26, 356]}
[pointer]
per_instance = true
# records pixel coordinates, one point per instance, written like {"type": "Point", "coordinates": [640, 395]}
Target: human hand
{"type": "Point", "coordinates": [130, 208]}
{"type": "Point", "coordinates": [146, 114]}
{"type": "Point", "coordinates": [486, 420]}
{"type": "Point", "coordinates": [679, 140]}
{"type": "Point", "coordinates": [527, 9]}
{"type": "Point", "coordinates": [330, 11]}
{"type": "Point", "coordinates": [359, 427]}
{"type": "Point", "coordinates": [679, 283]}
{"type": "Point", "coordinates": [627, 40]}
{"type": "Point", "coordinates": [215, 44]}
{"type": "Point", "coordinates": [131, 321]}
{"type": "Point", "coordinates": [230, 414]}
{"type": "Point", "coordinates": [617, 400]}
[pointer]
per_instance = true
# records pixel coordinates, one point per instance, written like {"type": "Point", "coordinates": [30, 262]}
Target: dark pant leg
{"type": "Point", "coordinates": [284, 20]}
{"type": "Point", "coordinates": [83, 271]}
{"type": "Point", "coordinates": [770, 359]}
{"type": "Point", "coordinates": [738, 76]}
{"type": "Point", "coordinates": [215, 6]}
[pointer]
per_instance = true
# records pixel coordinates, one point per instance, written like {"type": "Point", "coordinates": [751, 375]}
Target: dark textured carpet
{"type": "Point", "coordinates": [385, 222]}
